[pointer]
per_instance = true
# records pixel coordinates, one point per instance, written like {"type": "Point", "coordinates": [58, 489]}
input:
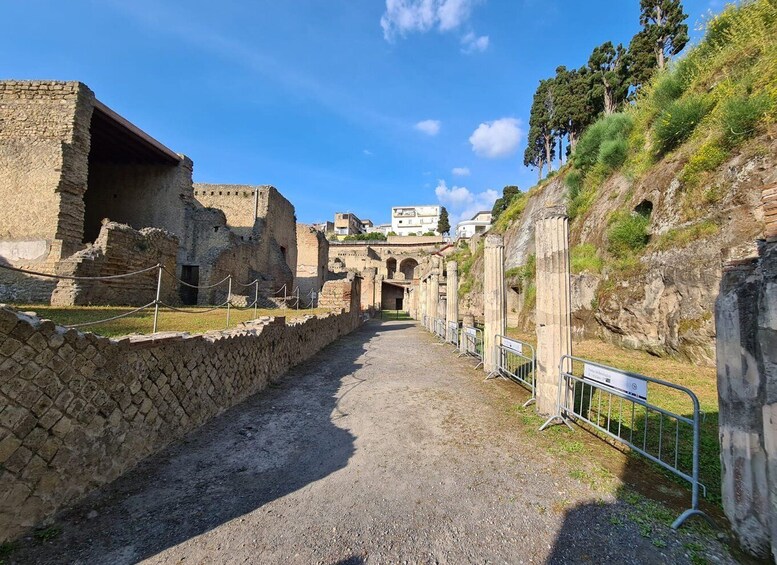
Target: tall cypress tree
{"type": "Point", "coordinates": [443, 224]}
{"type": "Point", "coordinates": [663, 23]}
{"type": "Point", "coordinates": [607, 66]}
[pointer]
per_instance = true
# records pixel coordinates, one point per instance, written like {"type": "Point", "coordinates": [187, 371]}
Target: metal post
{"type": "Point", "coordinates": [256, 297]}
{"type": "Point", "coordinates": [229, 297]}
{"type": "Point", "coordinates": [158, 295]}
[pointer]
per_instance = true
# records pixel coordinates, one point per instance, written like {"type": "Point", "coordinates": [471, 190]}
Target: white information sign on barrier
{"type": "Point", "coordinates": [631, 386]}
{"type": "Point", "coordinates": [453, 325]}
{"type": "Point", "coordinates": [512, 345]}
{"type": "Point", "coordinates": [472, 331]}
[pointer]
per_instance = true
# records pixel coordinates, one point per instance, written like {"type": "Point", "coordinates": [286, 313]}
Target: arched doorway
{"type": "Point", "coordinates": [407, 267]}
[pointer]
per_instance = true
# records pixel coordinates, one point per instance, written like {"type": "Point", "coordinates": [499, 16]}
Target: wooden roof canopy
{"type": "Point", "coordinates": [116, 140]}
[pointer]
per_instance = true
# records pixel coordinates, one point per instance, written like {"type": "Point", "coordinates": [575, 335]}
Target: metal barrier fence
{"type": "Point", "coordinates": [471, 343]}
{"type": "Point", "coordinates": [158, 303]}
{"type": "Point", "coordinates": [439, 328]}
{"type": "Point", "coordinates": [516, 360]}
{"type": "Point", "coordinates": [615, 403]}
{"type": "Point", "coordinates": [453, 334]}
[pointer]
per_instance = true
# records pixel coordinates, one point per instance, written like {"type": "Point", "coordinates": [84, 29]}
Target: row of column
{"type": "Point", "coordinates": [553, 313]}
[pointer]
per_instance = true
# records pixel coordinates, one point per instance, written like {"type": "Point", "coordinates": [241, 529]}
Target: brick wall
{"type": "Point", "coordinates": [769, 199]}
{"type": "Point", "coordinates": [77, 410]}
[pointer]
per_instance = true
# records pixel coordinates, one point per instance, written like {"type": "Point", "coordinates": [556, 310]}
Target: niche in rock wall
{"type": "Point", "coordinates": [644, 208]}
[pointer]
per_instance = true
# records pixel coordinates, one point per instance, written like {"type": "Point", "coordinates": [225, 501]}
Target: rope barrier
{"type": "Point", "coordinates": [183, 311]}
{"type": "Point", "coordinates": [135, 311]}
{"type": "Point", "coordinates": [196, 286]}
{"type": "Point", "coordinates": [252, 283]}
{"type": "Point", "coordinates": [73, 278]}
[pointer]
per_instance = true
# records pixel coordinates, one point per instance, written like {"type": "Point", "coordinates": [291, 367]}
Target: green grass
{"type": "Point", "coordinates": [681, 237]}
{"type": "Point", "coordinates": [142, 322]}
{"type": "Point", "coordinates": [585, 258]}
{"type": "Point", "coordinates": [678, 121]}
{"type": "Point", "coordinates": [627, 234]}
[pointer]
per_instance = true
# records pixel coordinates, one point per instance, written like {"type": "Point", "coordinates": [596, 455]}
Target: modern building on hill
{"type": "Point", "coordinates": [415, 220]}
{"type": "Point", "coordinates": [480, 223]}
{"type": "Point", "coordinates": [380, 228]}
{"type": "Point", "coordinates": [347, 223]}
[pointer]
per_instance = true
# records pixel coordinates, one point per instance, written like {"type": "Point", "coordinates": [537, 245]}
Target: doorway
{"type": "Point", "coordinates": [399, 304]}
{"type": "Point", "coordinates": [190, 274]}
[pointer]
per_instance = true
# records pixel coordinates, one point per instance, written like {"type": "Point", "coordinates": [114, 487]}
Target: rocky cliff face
{"type": "Point", "coordinates": [664, 302]}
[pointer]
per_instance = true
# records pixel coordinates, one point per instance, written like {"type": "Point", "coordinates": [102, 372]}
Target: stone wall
{"type": "Point", "coordinates": [312, 259]}
{"type": "Point", "coordinates": [78, 410]}
{"type": "Point", "coordinates": [119, 249]}
{"type": "Point", "coordinates": [44, 144]}
{"type": "Point", "coordinates": [746, 322]}
{"type": "Point", "coordinates": [769, 199]}
{"type": "Point", "coordinates": [342, 295]}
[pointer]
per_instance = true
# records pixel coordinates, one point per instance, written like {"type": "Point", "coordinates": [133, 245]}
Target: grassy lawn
{"type": "Point", "coordinates": [143, 321]}
{"type": "Point", "coordinates": [701, 380]}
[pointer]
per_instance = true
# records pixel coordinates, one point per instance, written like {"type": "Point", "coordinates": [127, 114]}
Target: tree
{"type": "Point", "coordinates": [503, 203]}
{"type": "Point", "coordinates": [443, 224]}
{"type": "Point", "coordinates": [534, 156]}
{"type": "Point", "coordinates": [607, 65]}
{"type": "Point", "coordinates": [541, 120]}
{"type": "Point", "coordinates": [641, 60]}
{"type": "Point", "coordinates": [573, 109]}
{"type": "Point", "coordinates": [663, 23]}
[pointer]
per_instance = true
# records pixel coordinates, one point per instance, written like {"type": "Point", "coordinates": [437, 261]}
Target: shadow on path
{"type": "Point", "coordinates": [275, 443]}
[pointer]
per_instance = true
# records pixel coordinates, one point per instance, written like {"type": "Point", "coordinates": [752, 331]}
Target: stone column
{"type": "Point", "coordinates": [554, 315]}
{"type": "Point", "coordinates": [414, 302]}
{"type": "Point", "coordinates": [368, 289]}
{"type": "Point", "coordinates": [434, 297]}
{"type": "Point", "coordinates": [746, 344]}
{"type": "Point", "coordinates": [379, 292]}
{"type": "Point", "coordinates": [493, 297]}
{"type": "Point", "coordinates": [422, 299]}
{"type": "Point", "coordinates": [452, 312]}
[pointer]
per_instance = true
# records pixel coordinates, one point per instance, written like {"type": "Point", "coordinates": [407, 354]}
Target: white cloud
{"type": "Point", "coordinates": [462, 203]}
{"type": "Point", "coordinates": [471, 43]}
{"type": "Point", "coordinates": [497, 139]}
{"type": "Point", "coordinates": [429, 127]}
{"type": "Point", "coordinates": [408, 16]}
{"type": "Point", "coordinates": [367, 152]}
{"type": "Point", "coordinates": [460, 171]}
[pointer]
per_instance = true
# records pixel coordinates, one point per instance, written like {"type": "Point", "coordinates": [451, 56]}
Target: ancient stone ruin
{"type": "Point", "coordinates": [97, 196]}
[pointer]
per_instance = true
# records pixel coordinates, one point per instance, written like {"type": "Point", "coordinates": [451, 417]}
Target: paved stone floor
{"type": "Point", "coordinates": [383, 448]}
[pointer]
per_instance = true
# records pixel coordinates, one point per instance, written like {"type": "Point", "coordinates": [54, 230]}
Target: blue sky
{"type": "Point", "coordinates": [343, 105]}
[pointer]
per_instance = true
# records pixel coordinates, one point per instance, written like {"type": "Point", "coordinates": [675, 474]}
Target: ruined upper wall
{"type": "Point", "coordinates": [44, 146]}
{"type": "Point", "coordinates": [312, 259]}
{"type": "Point", "coordinates": [238, 202]}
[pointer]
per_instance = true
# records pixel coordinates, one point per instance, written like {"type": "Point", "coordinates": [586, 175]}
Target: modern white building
{"type": "Point", "coordinates": [480, 223]}
{"type": "Point", "coordinates": [414, 220]}
{"type": "Point", "coordinates": [380, 228]}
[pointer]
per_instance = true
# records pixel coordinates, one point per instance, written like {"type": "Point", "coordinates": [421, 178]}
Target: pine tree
{"type": "Point", "coordinates": [608, 74]}
{"type": "Point", "coordinates": [574, 111]}
{"type": "Point", "coordinates": [663, 23]}
{"type": "Point", "coordinates": [443, 224]}
{"type": "Point", "coordinates": [534, 156]}
{"type": "Point", "coordinates": [641, 60]}
{"type": "Point", "coordinates": [503, 203]}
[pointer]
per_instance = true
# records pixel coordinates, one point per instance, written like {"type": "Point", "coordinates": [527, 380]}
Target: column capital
{"type": "Point", "coordinates": [551, 212]}
{"type": "Point", "coordinates": [494, 241]}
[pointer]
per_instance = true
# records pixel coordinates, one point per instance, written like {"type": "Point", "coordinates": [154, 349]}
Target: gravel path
{"type": "Point", "coordinates": [384, 448]}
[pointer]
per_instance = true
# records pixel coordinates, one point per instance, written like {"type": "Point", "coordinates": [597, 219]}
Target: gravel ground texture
{"type": "Point", "coordinates": [383, 448]}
